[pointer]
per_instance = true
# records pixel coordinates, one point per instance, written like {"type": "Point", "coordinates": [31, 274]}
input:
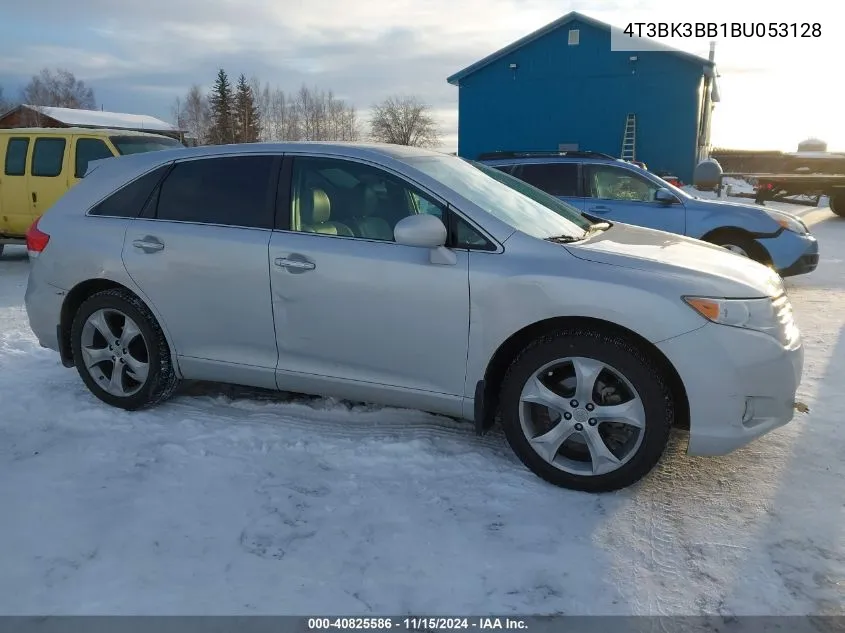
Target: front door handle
{"type": "Point", "coordinates": [149, 244]}
{"type": "Point", "coordinates": [34, 197]}
{"type": "Point", "coordinates": [295, 265]}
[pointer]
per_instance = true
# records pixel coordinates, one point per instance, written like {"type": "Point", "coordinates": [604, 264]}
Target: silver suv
{"type": "Point", "coordinates": [412, 279]}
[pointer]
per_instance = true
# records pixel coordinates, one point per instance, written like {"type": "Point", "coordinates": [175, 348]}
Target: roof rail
{"type": "Point", "coordinates": [542, 154]}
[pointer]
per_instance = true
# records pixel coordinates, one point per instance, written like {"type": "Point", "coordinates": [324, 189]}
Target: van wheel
{"type": "Point", "coordinates": [120, 351]}
{"type": "Point", "coordinates": [586, 410]}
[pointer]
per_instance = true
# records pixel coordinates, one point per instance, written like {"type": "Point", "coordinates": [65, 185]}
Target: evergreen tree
{"type": "Point", "coordinates": [221, 103]}
{"type": "Point", "coordinates": [247, 118]}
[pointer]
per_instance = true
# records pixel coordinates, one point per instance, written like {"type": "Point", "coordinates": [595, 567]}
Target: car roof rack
{"type": "Point", "coordinates": [542, 154]}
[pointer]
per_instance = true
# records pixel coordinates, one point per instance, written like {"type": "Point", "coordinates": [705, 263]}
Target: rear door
{"type": "Point", "coordinates": [49, 172]}
{"type": "Point", "coordinates": [623, 195]}
{"type": "Point", "coordinates": [15, 215]}
{"type": "Point", "coordinates": [558, 179]}
{"type": "Point", "coordinates": [199, 254]}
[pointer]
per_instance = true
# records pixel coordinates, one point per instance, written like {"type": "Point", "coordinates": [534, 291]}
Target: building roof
{"type": "Point", "coordinates": [561, 22]}
{"type": "Point", "coordinates": [100, 119]}
{"type": "Point", "coordinates": [48, 131]}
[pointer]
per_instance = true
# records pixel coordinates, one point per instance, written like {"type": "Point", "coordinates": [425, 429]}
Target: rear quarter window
{"type": "Point", "coordinates": [129, 200]}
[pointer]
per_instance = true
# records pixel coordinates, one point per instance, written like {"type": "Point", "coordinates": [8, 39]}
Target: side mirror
{"type": "Point", "coordinates": [426, 231]}
{"type": "Point", "coordinates": [664, 196]}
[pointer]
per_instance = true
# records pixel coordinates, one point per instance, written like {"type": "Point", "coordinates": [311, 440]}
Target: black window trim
{"type": "Point", "coordinates": [269, 203]}
{"type": "Point", "coordinates": [29, 144]}
{"type": "Point", "coordinates": [63, 139]}
{"type": "Point", "coordinates": [285, 199]}
{"type": "Point", "coordinates": [168, 165]}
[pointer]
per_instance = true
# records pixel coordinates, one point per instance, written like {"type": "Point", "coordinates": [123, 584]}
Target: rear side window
{"type": "Point", "coordinates": [235, 191]}
{"type": "Point", "coordinates": [558, 179]}
{"type": "Point", "coordinates": [88, 149]}
{"type": "Point", "coordinates": [128, 201]}
{"type": "Point", "coordinates": [16, 156]}
{"type": "Point", "coordinates": [48, 157]}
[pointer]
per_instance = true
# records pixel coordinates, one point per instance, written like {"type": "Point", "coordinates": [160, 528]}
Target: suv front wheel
{"type": "Point", "coordinates": [586, 410]}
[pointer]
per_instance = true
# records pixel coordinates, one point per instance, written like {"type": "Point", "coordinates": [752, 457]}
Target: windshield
{"type": "Point", "coordinates": [140, 144]}
{"type": "Point", "coordinates": [510, 200]}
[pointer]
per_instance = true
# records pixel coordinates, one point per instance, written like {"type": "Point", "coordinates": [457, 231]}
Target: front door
{"type": "Point", "coordinates": [15, 216]}
{"type": "Point", "coordinates": [352, 306]}
{"type": "Point", "coordinates": [199, 254]}
{"type": "Point", "coordinates": [49, 172]}
{"type": "Point", "coordinates": [622, 195]}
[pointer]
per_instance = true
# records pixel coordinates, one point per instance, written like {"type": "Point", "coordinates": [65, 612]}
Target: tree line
{"type": "Point", "coordinates": [250, 111]}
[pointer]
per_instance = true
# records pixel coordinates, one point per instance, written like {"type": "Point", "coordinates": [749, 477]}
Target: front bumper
{"type": "Point", "coordinates": [792, 254]}
{"type": "Point", "coordinates": [740, 384]}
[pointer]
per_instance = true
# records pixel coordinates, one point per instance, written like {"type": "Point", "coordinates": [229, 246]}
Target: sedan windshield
{"type": "Point", "coordinates": [140, 144]}
{"type": "Point", "coordinates": [510, 200]}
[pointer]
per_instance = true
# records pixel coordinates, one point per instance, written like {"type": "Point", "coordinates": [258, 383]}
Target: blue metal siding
{"type": "Point", "coordinates": [582, 94]}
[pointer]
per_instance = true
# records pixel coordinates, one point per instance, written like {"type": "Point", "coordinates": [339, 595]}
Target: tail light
{"type": "Point", "coordinates": [36, 240]}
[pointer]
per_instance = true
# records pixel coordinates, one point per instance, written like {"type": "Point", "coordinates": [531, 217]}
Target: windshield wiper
{"type": "Point", "coordinates": [598, 226]}
{"type": "Point", "coordinates": [564, 239]}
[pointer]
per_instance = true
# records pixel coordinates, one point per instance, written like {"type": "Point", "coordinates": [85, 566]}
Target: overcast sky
{"type": "Point", "coordinates": [140, 55]}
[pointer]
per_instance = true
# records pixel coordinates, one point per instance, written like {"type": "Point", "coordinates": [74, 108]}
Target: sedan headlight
{"type": "Point", "coordinates": [751, 314]}
{"type": "Point", "coordinates": [787, 221]}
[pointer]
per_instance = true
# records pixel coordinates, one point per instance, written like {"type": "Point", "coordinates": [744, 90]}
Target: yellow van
{"type": "Point", "coordinates": [38, 165]}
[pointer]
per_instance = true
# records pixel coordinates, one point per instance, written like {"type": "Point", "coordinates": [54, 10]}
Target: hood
{"type": "Point", "coordinates": [727, 274]}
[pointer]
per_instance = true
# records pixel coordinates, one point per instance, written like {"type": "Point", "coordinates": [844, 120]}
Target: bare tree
{"type": "Point", "coordinates": [192, 115]}
{"type": "Point", "coordinates": [59, 89]}
{"type": "Point", "coordinates": [5, 104]}
{"type": "Point", "coordinates": [404, 120]}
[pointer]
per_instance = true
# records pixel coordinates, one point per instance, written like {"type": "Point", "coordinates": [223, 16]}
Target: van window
{"type": "Point", "coordinates": [48, 156]}
{"type": "Point", "coordinates": [16, 156]}
{"type": "Point", "coordinates": [88, 149]}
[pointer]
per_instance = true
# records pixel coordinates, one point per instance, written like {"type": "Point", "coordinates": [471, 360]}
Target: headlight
{"type": "Point", "coordinates": [788, 222]}
{"type": "Point", "coordinates": [751, 314]}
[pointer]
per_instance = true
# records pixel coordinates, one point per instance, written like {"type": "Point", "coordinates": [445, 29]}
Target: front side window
{"type": "Point", "coordinates": [349, 199]}
{"type": "Point", "coordinates": [88, 149]}
{"type": "Point", "coordinates": [48, 157]}
{"type": "Point", "coordinates": [231, 190]}
{"type": "Point", "coordinates": [558, 179]}
{"type": "Point", "coordinates": [16, 156]}
{"type": "Point", "coordinates": [606, 182]}
{"type": "Point", "coordinates": [506, 198]}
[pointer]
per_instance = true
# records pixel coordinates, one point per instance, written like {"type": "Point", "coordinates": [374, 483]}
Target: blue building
{"type": "Point", "coordinates": [564, 88]}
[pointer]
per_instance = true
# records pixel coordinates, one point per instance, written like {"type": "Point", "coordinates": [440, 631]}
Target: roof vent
{"type": "Point", "coordinates": [574, 37]}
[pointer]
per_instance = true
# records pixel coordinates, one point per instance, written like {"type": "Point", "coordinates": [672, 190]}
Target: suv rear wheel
{"type": "Point", "coordinates": [120, 351]}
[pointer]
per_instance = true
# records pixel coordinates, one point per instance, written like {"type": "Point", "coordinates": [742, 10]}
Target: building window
{"type": "Point", "coordinates": [574, 37]}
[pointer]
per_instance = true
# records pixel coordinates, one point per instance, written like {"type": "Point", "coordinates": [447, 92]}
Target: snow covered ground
{"type": "Point", "coordinates": [227, 501]}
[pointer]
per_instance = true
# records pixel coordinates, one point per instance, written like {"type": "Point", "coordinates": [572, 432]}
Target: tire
{"type": "Point", "coordinates": [741, 245]}
{"type": "Point", "coordinates": [90, 349]}
{"type": "Point", "coordinates": [837, 205]}
{"type": "Point", "coordinates": [593, 347]}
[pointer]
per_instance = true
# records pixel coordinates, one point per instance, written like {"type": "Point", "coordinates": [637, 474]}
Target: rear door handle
{"type": "Point", "coordinates": [149, 244]}
{"type": "Point", "coordinates": [294, 264]}
{"type": "Point", "coordinates": [34, 197]}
